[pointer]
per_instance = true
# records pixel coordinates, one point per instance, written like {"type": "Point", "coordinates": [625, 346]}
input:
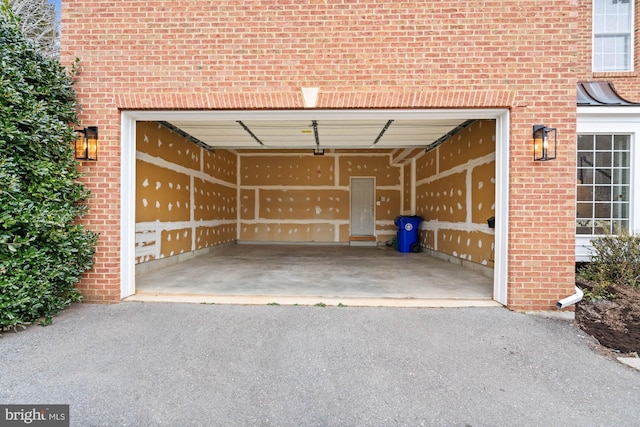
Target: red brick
{"type": "Point", "coordinates": [362, 54]}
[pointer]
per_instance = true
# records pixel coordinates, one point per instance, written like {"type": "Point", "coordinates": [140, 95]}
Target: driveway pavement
{"type": "Point", "coordinates": [143, 364]}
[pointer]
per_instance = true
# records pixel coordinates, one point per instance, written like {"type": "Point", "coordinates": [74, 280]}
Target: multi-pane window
{"type": "Point", "coordinates": [612, 35]}
{"type": "Point", "coordinates": [604, 188]}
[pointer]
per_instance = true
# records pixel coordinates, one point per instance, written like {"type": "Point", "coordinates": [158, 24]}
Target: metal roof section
{"type": "Point", "coordinates": [600, 94]}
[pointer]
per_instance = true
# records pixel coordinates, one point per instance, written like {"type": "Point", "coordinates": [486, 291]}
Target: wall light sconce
{"type": "Point", "coordinates": [544, 143]}
{"type": "Point", "coordinates": [86, 144]}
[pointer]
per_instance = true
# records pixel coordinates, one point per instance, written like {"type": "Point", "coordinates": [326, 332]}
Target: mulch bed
{"type": "Point", "coordinates": [615, 323]}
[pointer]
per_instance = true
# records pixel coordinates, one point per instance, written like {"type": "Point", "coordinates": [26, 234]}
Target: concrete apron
{"type": "Point", "coordinates": [255, 274]}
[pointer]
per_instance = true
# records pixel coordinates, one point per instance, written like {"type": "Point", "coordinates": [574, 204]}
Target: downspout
{"type": "Point", "coordinates": [571, 299]}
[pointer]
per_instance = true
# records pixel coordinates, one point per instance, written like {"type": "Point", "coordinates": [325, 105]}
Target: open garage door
{"type": "Point", "coordinates": [292, 180]}
{"type": "Point", "coordinates": [316, 134]}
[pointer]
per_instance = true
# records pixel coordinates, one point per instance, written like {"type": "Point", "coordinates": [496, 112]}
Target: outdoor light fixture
{"type": "Point", "coordinates": [86, 144]}
{"type": "Point", "coordinates": [544, 143]}
{"type": "Point", "coordinates": [318, 151]}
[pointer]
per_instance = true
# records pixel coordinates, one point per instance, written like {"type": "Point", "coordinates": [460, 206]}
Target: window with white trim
{"type": "Point", "coordinates": [604, 183]}
{"type": "Point", "coordinates": [612, 35]}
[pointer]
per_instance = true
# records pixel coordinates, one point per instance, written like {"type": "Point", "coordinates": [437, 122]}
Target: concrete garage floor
{"type": "Point", "coordinates": [312, 274]}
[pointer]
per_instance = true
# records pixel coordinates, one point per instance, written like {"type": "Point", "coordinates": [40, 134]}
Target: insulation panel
{"type": "Point", "coordinates": [175, 242]}
{"type": "Point", "coordinates": [304, 204]}
{"type": "Point", "coordinates": [472, 246]}
{"type": "Point", "coordinates": [476, 141]}
{"type": "Point", "coordinates": [156, 140]}
{"type": "Point", "coordinates": [248, 204]}
{"type": "Point", "coordinates": [288, 232]}
{"type": "Point", "coordinates": [483, 193]}
{"type": "Point", "coordinates": [389, 204]}
{"type": "Point", "coordinates": [306, 170]}
{"type": "Point", "coordinates": [212, 236]}
{"type": "Point", "coordinates": [221, 165]}
{"type": "Point", "coordinates": [161, 194]}
{"type": "Point", "coordinates": [213, 201]}
{"type": "Point", "coordinates": [406, 187]}
{"type": "Point", "coordinates": [427, 165]}
{"type": "Point", "coordinates": [443, 199]}
{"type": "Point", "coordinates": [378, 166]}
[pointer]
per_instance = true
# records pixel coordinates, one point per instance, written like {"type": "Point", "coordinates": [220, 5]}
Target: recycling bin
{"type": "Point", "coordinates": [408, 232]}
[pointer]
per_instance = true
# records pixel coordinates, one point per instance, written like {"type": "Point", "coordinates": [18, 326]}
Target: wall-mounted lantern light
{"type": "Point", "coordinates": [544, 143]}
{"type": "Point", "coordinates": [86, 144]}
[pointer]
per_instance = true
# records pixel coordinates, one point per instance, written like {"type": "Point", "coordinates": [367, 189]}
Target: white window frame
{"type": "Point", "coordinates": [631, 40]}
{"type": "Point", "coordinates": [615, 206]}
{"type": "Point", "coordinates": [613, 120]}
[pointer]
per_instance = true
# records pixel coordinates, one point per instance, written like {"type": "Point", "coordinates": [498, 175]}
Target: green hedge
{"type": "Point", "coordinates": [43, 249]}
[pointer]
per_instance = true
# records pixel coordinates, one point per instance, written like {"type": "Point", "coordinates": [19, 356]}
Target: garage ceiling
{"type": "Point", "coordinates": [318, 134]}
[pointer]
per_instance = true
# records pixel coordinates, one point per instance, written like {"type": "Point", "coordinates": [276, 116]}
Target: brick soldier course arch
{"type": "Point", "coordinates": [326, 100]}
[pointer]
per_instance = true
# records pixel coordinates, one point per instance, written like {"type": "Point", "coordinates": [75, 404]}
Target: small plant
{"type": "Point", "coordinates": [615, 262]}
{"type": "Point", "coordinates": [321, 304]}
{"type": "Point", "coordinates": [273, 304]}
{"type": "Point", "coordinates": [598, 292]}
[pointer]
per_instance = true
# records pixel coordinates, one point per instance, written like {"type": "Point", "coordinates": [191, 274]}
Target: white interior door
{"type": "Point", "coordinates": [363, 221]}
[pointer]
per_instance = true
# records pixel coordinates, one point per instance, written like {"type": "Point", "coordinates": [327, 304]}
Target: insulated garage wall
{"type": "Point", "coordinates": [455, 194]}
{"type": "Point", "coordinates": [185, 195]}
{"type": "Point", "coordinates": [294, 196]}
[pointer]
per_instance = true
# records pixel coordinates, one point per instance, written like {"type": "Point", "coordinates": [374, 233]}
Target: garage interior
{"type": "Point", "coordinates": [304, 208]}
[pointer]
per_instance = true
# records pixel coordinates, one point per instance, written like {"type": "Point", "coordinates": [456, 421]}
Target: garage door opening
{"type": "Point", "coordinates": [287, 177]}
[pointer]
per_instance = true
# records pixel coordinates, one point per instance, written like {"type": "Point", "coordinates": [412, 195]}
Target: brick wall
{"type": "Point", "coordinates": [232, 54]}
{"type": "Point", "coordinates": [627, 83]}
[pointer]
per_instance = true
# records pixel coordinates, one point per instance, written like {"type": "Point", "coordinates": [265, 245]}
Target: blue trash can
{"type": "Point", "coordinates": [408, 232]}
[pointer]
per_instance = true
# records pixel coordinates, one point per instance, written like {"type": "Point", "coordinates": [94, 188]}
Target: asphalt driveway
{"type": "Point", "coordinates": [142, 364]}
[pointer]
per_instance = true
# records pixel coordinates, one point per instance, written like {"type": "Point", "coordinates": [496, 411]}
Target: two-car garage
{"type": "Point", "coordinates": [195, 182]}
